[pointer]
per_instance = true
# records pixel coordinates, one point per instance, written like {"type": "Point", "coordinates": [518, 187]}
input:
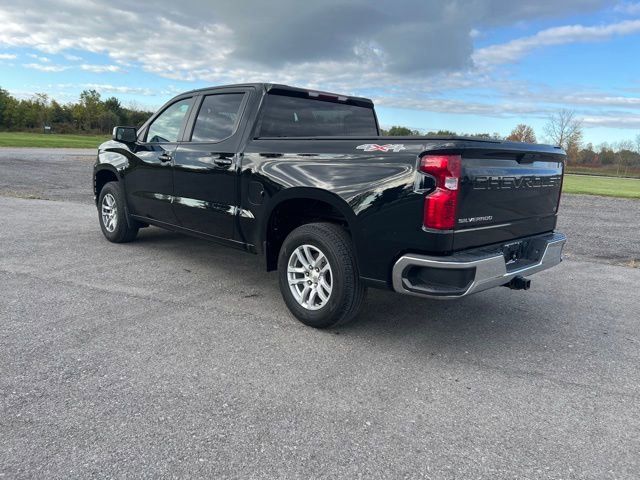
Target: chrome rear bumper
{"type": "Point", "coordinates": [472, 271]}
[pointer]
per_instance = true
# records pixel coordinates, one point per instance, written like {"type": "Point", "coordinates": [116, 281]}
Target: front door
{"type": "Point", "coordinates": [206, 165]}
{"type": "Point", "coordinates": [149, 182]}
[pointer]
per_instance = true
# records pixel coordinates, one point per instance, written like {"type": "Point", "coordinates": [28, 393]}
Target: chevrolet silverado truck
{"type": "Point", "coordinates": [304, 179]}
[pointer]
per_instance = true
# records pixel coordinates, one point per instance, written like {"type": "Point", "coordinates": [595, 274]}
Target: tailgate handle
{"type": "Point", "coordinates": [528, 157]}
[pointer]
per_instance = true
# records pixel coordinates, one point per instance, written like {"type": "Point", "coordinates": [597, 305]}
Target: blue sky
{"type": "Point", "coordinates": [469, 66]}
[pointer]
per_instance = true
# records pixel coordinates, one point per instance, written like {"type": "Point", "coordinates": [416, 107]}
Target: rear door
{"type": "Point", "coordinates": [206, 164]}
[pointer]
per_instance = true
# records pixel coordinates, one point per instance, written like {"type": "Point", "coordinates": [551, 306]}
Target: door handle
{"type": "Point", "coordinates": [165, 157]}
{"type": "Point", "coordinates": [222, 160]}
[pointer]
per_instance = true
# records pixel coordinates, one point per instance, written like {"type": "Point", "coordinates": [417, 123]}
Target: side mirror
{"type": "Point", "coordinates": [125, 134]}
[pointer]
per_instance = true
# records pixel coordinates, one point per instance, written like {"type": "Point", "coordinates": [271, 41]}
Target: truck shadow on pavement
{"type": "Point", "coordinates": [485, 319]}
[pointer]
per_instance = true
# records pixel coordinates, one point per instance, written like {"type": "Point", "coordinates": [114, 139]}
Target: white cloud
{"type": "Point", "coordinates": [7, 56]}
{"type": "Point", "coordinates": [195, 40]}
{"type": "Point", "coordinates": [39, 58]}
{"type": "Point", "coordinates": [611, 120]}
{"type": "Point", "coordinates": [515, 49]}
{"type": "Point", "coordinates": [628, 8]}
{"type": "Point", "coordinates": [409, 53]}
{"type": "Point", "coordinates": [107, 88]}
{"type": "Point", "coordinates": [602, 99]}
{"type": "Point", "coordinates": [45, 68]}
{"type": "Point", "coordinates": [68, 90]}
{"type": "Point", "coordinates": [442, 105]}
{"type": "Point", "coordinates": [599, 109]}
{"type": "Point", "coordinates": [158, 44]}
{"type": "Point", "coordinates": [100, 68]}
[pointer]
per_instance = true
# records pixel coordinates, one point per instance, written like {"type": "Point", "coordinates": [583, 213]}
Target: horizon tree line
{"type": "Point", "coordinates": [92, 114]}
{"type": "Point", "coordinates": [565, 130]}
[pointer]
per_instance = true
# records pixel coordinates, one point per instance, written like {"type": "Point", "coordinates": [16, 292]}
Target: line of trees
{"type": "Point", "coordinates": [398, 131]}
{"type": "Point", "coordinates": [564, 129]}
{"type": "Point", "coordinates": [90, 114]}
{"type": "Point", "coordinates": [624, 156]}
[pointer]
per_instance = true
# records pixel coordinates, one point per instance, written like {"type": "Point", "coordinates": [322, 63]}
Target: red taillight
{"type": "Point", "coordinates": [440, 205]}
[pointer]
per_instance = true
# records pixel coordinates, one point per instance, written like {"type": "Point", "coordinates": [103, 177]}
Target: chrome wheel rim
{"type": "Point", "coordinates": [109, 211]}
{"type": "Point", "coordinates": [310, 277]}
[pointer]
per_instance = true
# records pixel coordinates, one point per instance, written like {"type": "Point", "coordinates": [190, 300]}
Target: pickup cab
{"type": "Point", "coordinates": [304, 179]}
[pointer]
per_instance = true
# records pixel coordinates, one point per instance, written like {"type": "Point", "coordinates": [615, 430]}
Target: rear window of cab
{"type": "Point", "coordinates": [289, 116]}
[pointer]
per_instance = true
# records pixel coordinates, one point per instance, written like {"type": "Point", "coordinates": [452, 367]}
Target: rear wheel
{"type": "Point", "coordinates": [112, 215]}
{"type": "Point", "coordinates": [318, 275]}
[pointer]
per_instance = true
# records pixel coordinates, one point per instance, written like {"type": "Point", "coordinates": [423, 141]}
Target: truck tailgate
{"type": "Point", "coordinates": [506, 195]}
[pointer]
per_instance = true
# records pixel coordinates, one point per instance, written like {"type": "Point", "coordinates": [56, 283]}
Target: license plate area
{"type": "Point", "coordinates": [522, 253]}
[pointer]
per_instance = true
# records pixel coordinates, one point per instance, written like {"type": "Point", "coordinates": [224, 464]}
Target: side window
{"type": "Point", "coordinates": [166, 127]}
{"type": "Point", "coordinates": [217, 118]}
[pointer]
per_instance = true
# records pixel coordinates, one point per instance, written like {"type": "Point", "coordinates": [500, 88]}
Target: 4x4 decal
{"type": "Point", "coordinates": [374, 147]}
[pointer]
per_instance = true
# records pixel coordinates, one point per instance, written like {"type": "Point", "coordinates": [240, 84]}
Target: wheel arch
{"type": "Point", "coordinates": [104, 174]}
{"type": "Point", "coordinates": [297, 206]}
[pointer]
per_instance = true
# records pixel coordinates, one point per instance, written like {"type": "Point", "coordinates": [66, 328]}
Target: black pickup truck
{"type": "Point", "coordinates": [305, 179]}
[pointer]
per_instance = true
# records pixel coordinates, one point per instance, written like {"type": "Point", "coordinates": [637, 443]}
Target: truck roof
{"type": "Point", "coordinates": [296, 91]}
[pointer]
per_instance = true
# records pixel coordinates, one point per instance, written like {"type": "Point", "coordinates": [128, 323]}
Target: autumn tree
{"type": "Point", "coordinates": [522, 133]}
{"type": "Point", "coordinates": [587, 155]}
{"type": "Point", "coordinates": [565, 130]}
{"type": "Point", "coordinates": [625, 156]}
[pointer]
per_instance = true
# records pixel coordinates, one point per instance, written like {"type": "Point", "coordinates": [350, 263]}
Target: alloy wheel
{"type": "Point", "coordinates": [109, 212]}
{"type": "Point", "coordinates": [310, 277]}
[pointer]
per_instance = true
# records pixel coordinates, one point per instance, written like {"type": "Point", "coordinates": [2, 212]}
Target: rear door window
{"type": "Point", "coordinates": [218, 117]}
{"type": "Point", "coordinates": [287, 116]}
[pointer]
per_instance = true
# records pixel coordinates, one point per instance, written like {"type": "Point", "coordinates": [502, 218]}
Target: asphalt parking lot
{"type": "Point", "coordinates": [173, 357]}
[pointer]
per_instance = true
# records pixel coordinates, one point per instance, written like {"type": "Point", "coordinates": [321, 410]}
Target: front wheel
{"type": "Point", "coordinates": [113, 216]}
{"type": "Point", "coordinates": [318, 275]}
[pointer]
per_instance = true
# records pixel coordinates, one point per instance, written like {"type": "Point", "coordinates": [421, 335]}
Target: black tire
{"type": "Point", "coordinates": [348, 291]}
{"type": "Point", "coordinates": [123, 231]}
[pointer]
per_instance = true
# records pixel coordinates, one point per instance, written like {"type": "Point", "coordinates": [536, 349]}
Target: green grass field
{"type": "Point", "coordinates": [610, 187]}
{"type": "Point", "coordinates": [608, 171]}
{"type": "Point", "coordinates": [22, 139]}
